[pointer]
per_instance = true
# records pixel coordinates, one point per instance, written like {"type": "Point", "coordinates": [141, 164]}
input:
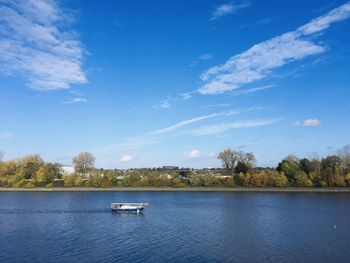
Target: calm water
{"type": "Point", "coordinates": [177, 227]}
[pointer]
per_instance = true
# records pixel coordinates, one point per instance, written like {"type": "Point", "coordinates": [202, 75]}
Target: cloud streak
{"type": "Point", "coordinates": [221, 128]}
{"type": "Point", "coordinates": [35, 45]}
{"type": "Point", "coordinates": [154, 137]}
{"type": "Point", "coordinates": [258, 62]}
{"type": "Point", "coordinates": [227, 9]}
{"type": "Point", "coordinates": [198, 119]}
{"type": "Point", "coordinates": [308, 123]}
{"type": "Point", "coordinates": [75, 100]}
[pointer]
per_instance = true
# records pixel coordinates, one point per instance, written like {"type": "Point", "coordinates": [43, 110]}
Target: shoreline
{"type": "Point", "coordinates": [186, 189]}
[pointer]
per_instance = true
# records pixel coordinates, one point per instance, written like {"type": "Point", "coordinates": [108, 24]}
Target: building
{"type": "Point", "coordinates": [67, 170]}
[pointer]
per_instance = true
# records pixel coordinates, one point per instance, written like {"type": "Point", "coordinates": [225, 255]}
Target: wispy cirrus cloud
{"type": "Point", "coordinates": [156, 136]}
{"type": "Point", "coordinates": [35, 44]}
{"type": "Point", "coordinates": [200, 118]}
{"type": "Point", "coordinates": [251, 90]}
{"type": "Point", "coordinates": [75, 100]}
{"type": "Point", "coordinates": [221, 128]}
{"type": "Point", "coordinates": [258, 62]}
{"type": "Point", "coordinates": [206, 56]}
{"type": "Point", "coordinates": [308, 123]}
{"type": "Point", "coordinates": [228, 8]}
{"type": "Point", "coordinates": [166, 104]}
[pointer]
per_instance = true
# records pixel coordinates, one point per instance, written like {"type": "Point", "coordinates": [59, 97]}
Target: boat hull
{"type": "Point", "coordinates": [127, 209]}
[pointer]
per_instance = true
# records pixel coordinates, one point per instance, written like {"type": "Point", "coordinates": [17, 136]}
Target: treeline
{"type": "Point", "coordinates": [238, 169]}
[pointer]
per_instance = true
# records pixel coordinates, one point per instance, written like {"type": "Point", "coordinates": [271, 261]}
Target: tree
{"type": "Point", "coordinates": [344, 154]}
{"type": "Point", "coordinates": [331, 168]}
{"type": "Point", "coordinates": [305, 165]}
{"type": "Point", "coordinates": [29, 165]}
{"type": "Point", "coordinates": [229, 159]}
{"type": "Point", "coordinates": [248, 159]}
{"type": "Point", "coordinates": [242, 167]}
{"type": "Point", "coordinates": [83, 163]}
{"type": "Point", "coordinates": [290, 168]}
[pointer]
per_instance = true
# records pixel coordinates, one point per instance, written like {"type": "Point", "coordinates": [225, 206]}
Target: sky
{"type": "Point", "coordinates": [154, 83]}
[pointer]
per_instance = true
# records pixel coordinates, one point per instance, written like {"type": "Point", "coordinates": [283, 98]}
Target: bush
{"type": "Point", "coordinates": [338, 181]}
{"type": "Point", "coordinates": [229, 182]}
{"type": "Point", "coordinates": [243, 179]}
{"type": "Point", "coordinates": [29, 185]}
{"type": "Point", "coordinates": [279, 180]}
{"type": "Point", "coordinates": [259, 179]}
{"type": "Point", "coordinates": [178, 184]}
{"type": "Point", "coordinates": [301, 179]}
{"type": "Point", "coordinates": [106, 183]}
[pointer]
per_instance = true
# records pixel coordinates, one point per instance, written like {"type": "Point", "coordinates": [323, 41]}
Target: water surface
{"type": "Point", "coordinates": [177, 227]}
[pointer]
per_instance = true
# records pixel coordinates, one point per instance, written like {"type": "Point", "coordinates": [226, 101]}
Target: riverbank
{"type": "Point", "coordinates": [185, 189]}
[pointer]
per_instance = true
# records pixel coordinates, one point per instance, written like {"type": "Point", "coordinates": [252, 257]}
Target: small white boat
{"type": "Point", "coordinates": [128, 207]}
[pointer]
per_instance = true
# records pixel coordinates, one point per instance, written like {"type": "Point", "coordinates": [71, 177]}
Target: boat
{"type": "Point", "coordinates": [128, 207]}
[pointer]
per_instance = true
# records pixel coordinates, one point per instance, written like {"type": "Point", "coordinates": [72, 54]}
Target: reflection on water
{"type": "Point", "coordinates": [177, 227]}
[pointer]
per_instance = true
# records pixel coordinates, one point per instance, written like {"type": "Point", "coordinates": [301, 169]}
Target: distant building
{"type": "Point", "coordinates": [120, 177]}
{"type": "Point", "coordinates": [67, 170]}
{"type": "Point", "coordinates": [223, 176]}
{"type": "Point", "coordinates": [170, 168]}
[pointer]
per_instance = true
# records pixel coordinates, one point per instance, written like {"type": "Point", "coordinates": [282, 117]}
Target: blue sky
{"type": "Point", "coordinates": [153, 83]}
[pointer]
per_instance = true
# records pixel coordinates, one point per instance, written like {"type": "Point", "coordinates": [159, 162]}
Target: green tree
{"type": "Point", "coordinates": [331, 167]}
{"type": "Point", "coordinates": [242, 167]}
{"type": "Point", "coordinates": [290, 168]}
{"type": "Point", "coordinates": [301, 179]}
{"type": "Point", "coordinates": [305, 165]}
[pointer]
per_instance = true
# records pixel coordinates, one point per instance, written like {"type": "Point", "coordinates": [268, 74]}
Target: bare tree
{"type": "Point", "coordinates": [83, 162]}
{"type": "Point", "coordinates": [344, 154]}
{"type": "Point", "coordinates": [229, 159]}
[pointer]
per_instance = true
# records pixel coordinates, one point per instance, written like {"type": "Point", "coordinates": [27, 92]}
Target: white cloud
{"type": "Point", "coordinates": [221, 128]}
{"type": "Point", "coordinates": [164, 104]}
{"type": "Point", "coordinates": [308, 123]}
{"type": "Point", "coordinates": [75, 100]}
{"type": "Point", "coordinates": [257, 89]}
{"type": "Point", "coordinates": [193, 154]}
{"type": "Point", "coordinates": [205, 56]}
{"type": "Point", "coordinates": [147, 139]}
{"type": "Point", "coordinates": [228, 8]}
{"type": "Point", "coordinates": [252, 90]}
{"type": "Point", "coordinates": [127, 158]}
{"type": "Point", "coordinates": [323, 22]}
{"type": "Point", "coordinates": [200, 118]}
{"type": "Point", "coordinates": [34, 44]}
{"type": "Point", "coordinates": [257, 62]}
{"type": "Point", "coordinates": [167, 103]}
{"type": "Point", "coordinates": [6, 135]}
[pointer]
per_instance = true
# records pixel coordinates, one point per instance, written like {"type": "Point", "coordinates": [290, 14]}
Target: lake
{"type": "Point", "coordinates": [177, 227]}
